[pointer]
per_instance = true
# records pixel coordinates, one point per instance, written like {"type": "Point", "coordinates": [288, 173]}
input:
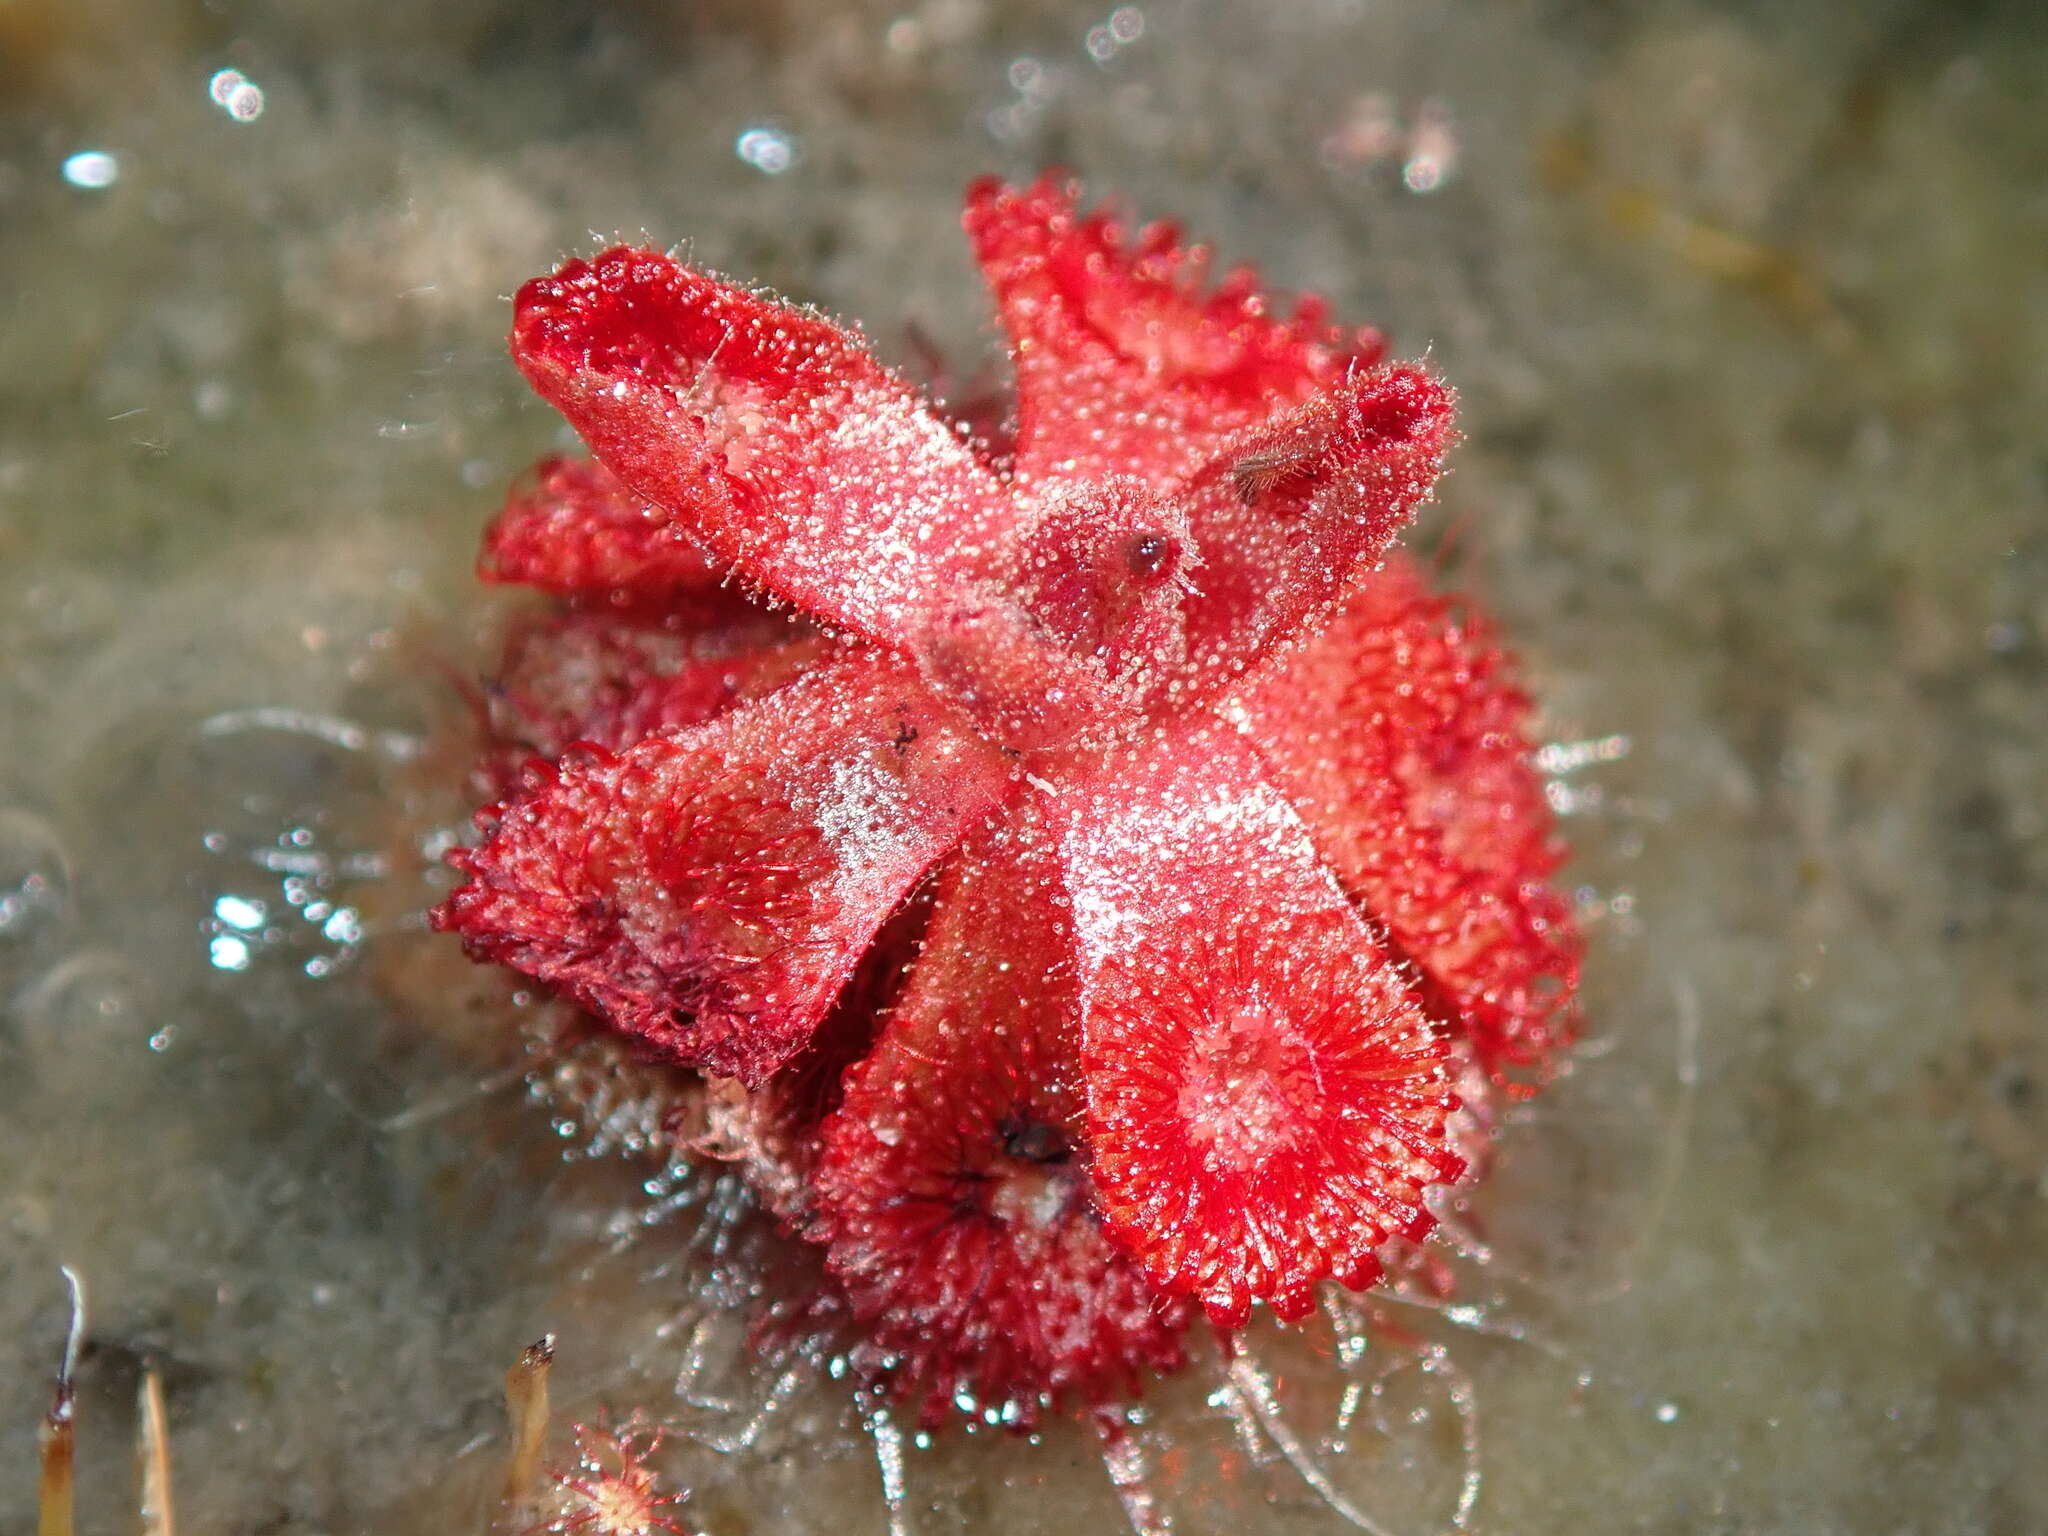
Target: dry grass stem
{"type": "Point", "coordinates": [153, 1450]}
{"type": "Point", "coordinates": [526, 1404]}
{"type": "Point", "coordinates": [56, 1493]}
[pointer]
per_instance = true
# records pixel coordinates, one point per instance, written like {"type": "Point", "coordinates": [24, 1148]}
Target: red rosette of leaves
{"type": "Point", "coordinates": [1218, 826]}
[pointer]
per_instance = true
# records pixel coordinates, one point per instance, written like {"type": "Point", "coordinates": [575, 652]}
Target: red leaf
{"type": "Point", "coordinates": [1266, 1103]}
{"type": "Point", "coordinates": [1291, 516]}
{"type": "Point", "coordinates": [571, 528]}
{"type": "Point", "coordinates": [768, 433]}
{"type": "Point", "coordinates": [1125, 364]}
{"type": "Point", "coordinates": [710, 890]}
{"type": "Point", "coordinates": [952, 1192]}
{"type": "Point", "coordinates": [613, 679]}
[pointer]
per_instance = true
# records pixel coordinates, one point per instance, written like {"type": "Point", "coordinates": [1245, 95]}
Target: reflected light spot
{"type": "Point", "coordinates": [768, 150]}
{"type": "Point", "coordinates": [236, 94]}
{"type": "Point", "coordinates": [92, 169]}
{"type": "Point", "coordinates": [240, 912]}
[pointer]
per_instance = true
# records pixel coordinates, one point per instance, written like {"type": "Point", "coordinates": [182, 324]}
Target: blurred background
{"type": "Point", "coordinates": [1746, 304]}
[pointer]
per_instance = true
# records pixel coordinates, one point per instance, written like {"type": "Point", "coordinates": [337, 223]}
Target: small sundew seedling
{"type": "Point", "coordinates": [610, 1490]}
